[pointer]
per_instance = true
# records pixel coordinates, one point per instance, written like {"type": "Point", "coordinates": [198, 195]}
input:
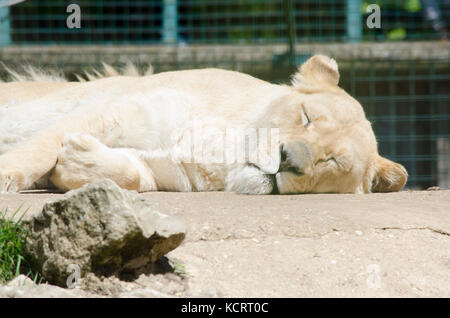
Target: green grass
{"type": "Point", "coordinates": [178, 268]}
{"type": "Point", "coordinates": [12, 242]}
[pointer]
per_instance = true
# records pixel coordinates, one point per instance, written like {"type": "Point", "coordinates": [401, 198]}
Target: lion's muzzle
{"type": "Point", "coordinates": [295, 157]}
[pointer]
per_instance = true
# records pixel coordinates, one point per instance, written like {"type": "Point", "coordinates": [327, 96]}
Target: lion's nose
{"type": "Point", "coordinates": [295, 157]}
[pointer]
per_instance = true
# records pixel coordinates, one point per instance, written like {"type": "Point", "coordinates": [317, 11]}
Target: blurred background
{"type": "Point", "coordinates": [399, 72]}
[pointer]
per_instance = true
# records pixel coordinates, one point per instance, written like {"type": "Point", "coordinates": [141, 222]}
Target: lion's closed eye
{"type": "Point", "coordinates": [305, 118]}
{"type": "Point", "coordinates": [333, 162]}
{"type": "Point", "coordinates": [330, 160]}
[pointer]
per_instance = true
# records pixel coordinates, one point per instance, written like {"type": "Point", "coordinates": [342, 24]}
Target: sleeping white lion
{"type": "Point", "coordinates": [193, 130]}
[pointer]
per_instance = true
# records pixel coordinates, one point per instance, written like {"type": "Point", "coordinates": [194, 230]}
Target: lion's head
{"type": "Point", "coordinates": [326, 142]}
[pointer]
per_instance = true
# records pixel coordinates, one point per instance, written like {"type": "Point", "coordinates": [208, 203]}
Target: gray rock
{"type": "Point", "coordinates": [98, 228]}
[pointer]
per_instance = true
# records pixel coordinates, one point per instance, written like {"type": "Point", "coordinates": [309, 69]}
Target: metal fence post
{"type": "Point", "coordinates": [170, 22]}
{"type": "Point", "coordinates": [290, 24]}
{"type": "Point", "coordinates": [5, 29]}
{"type": "Point", "coordinates": [354, 20]}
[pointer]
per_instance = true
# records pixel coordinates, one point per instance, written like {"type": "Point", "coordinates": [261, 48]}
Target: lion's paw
{"type": "Point", "coordinates": [80, 161]}
{"type": "Point", "coordinates": [11, 180]}
{"type": "Point", "coordinates": [248, 180]}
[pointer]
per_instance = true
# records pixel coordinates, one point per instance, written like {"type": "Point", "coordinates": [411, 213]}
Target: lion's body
{"type": "Point", "coordinates": [141, 132]}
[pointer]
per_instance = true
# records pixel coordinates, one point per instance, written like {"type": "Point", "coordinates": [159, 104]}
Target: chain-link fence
{"type": "Point", "coordinates": [225, 21]}
{"type": "Point", "coordinates": [402, 84]}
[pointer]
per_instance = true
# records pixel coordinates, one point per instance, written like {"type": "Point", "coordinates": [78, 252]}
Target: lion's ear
{"type": "Point", "coordinates": [316, 71]}
{"type": "Point", "coordinates": [389, 176]}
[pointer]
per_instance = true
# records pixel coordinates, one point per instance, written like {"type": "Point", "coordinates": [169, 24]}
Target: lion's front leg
{"type": "Point", "coordinates": [84, 159]}
{"type": "Point", "coordinates": [22, 166]}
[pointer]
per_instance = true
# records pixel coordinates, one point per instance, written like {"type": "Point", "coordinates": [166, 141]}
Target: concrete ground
{"type": "Point", "coordinates": [318, 245]}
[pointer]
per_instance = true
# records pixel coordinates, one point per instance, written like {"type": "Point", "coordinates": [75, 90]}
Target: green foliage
{"type": "Point", "coordinates": [12, 241]}
{"type": "Point", "coordinates": [178, 268]}
{"type": "Point", "coordinates": [397, 34]}
{"type": "Point", "coordinates": [413, 5]}
{"type": "Point", "coordinates": [408, 5]}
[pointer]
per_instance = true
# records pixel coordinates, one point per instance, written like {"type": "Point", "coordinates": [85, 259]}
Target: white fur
{"type": "Point", "coordinates": [144, 133]}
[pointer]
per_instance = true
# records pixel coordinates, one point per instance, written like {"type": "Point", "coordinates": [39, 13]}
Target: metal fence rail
{"type": "Point", "coordinates": [225, 21]}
